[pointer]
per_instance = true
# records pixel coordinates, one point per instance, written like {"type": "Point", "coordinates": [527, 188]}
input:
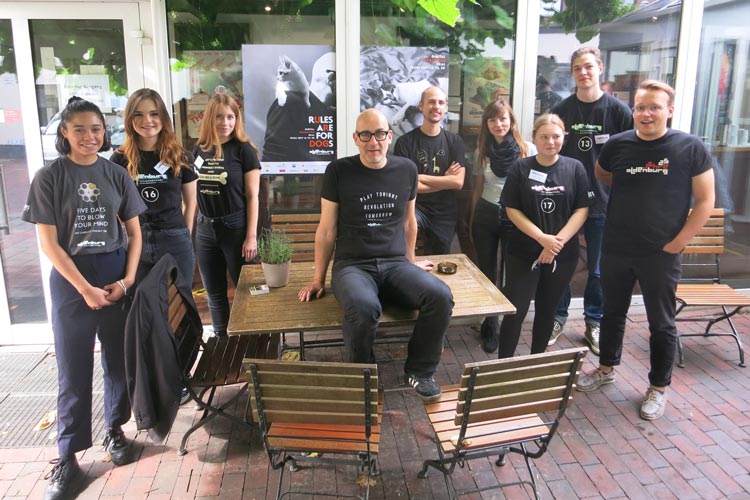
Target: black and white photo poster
{"type": "Point", "coordinates": [290, 99]}
{"type": "Point", "coordinates": [392, 80]}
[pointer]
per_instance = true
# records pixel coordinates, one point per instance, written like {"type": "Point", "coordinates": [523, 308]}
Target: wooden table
{"type": "Point", "coordinates": [280, 311]}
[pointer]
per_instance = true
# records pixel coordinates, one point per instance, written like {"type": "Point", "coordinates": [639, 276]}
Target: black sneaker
{"type": "Point", "coordinates": [184, 396]}
{"type": "Point", "coordinates": [117, 446]}
{"type": "Point", "coordinates": [490, 333]}
{"type": "Point", "coordinates": [426, 387]}
{"type": "Point", "coordinates": [60, 478]}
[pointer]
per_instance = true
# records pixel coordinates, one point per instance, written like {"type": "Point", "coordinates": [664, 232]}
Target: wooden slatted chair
{"type": "Point", "coordinates": [219, 363]}
{"type": "Point", "coordinates": [300, 229]}
{"type": "Point", "coordinates": [704, 252]}
{"type": "Point", "coordinates": [317, 412]}
{"type": "Point", "coordinates": [497, 408]}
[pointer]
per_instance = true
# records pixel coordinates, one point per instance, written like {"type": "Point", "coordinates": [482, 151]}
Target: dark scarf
{"type": "Point", "coordinates": [503, 154]}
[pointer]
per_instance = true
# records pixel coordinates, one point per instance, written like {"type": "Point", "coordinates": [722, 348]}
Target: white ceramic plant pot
{"type": "Point", "coordinates": [277, 275]}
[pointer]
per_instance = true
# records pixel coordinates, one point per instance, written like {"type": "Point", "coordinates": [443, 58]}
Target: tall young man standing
{"type": "Point", "coordinates": [591, 117]}
{"type": "Point", "coordinates": [653, 171]}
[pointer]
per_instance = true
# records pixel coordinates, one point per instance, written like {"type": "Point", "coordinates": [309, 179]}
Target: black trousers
{"type": "Point", "coordinates": [545, 286]}
{"type": "Point", "coordinates": [360, 285]}
{"type": "Point", "coordinates": [658, 276]}
{"type": "Point", "coordinates": [75, 327]}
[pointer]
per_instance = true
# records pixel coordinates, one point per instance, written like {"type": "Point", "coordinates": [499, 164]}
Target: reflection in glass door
{"type": "Point", "coordinates": [60, 50]}
{"type": "Point", "coordinates": [19, 255]}
{"type": "Point", "coordinates": [84, 58]}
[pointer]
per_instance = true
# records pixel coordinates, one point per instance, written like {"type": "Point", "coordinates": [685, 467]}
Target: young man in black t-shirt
{"type": "Point", "coordinates": [591, 117]}
{"type": "Point", "coordinates": [367, 215]}
{"type": "Point", "coordinates": [440, 157]}
{"type": "Point", "coordinates": [653, 171]}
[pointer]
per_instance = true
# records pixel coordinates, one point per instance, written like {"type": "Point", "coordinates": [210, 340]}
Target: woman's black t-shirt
{"type": "Point", "coordinates": [221, 181]}
{"type": "Point", "coordinates": [548, 196]}
{"type": "Point", "coordinates": [160, 189]}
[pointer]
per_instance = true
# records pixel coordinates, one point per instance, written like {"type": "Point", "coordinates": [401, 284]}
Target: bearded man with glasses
{"type": "Point", "coordinates": [368, 219]}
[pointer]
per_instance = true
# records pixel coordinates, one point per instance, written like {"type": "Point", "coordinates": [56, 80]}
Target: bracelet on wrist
{"type": "Point", "coordinates": [122, 285]}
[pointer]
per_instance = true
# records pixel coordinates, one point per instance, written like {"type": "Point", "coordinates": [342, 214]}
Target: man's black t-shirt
{"type": "Point", "coordinates": [589, 126]}
{"type": "Point", "coordinates": [221, 182]}
{"type": "Point", "coordinates": [548, 196]}
{"type": "Point", "coordinates": [433, 156]}
{"type": "Point", "coordinates": [159, 189]}
{"type": "Point", "coordinates": [372, 204]}
{"type": "Point", "coordinates": [651, 189]}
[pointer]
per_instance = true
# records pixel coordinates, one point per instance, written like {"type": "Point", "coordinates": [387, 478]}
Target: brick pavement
{"type": "Point", "coordinates": [699, 449]}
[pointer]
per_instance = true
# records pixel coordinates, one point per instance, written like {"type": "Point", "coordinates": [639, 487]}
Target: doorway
{"type": "Point", "coordinates": [50, 52]}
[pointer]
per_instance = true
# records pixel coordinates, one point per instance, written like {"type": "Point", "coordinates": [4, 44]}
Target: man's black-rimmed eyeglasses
{"type": "Point", "coordinates": [366, 135]}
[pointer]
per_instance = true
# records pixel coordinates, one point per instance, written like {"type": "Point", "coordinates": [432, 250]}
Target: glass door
{"type": "Point", "coordinates": [50, 52]}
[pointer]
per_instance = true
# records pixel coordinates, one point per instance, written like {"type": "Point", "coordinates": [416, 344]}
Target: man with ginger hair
{"type": "Point", "coordinates": [653, 172]}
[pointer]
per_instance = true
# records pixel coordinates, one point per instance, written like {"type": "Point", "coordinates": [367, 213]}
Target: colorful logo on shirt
{"type": "Point", "coordinates": [88, 192]}
{"type": "Point", "coordinates": [660, 167]}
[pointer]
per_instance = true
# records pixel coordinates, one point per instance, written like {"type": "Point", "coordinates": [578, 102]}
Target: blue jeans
{"type": "Point", "coordinates": [75, 327]}
{"type": "Point", "coordinates": [159, 242]}
{"type": "Point", "coordinates": [658, 276]}
{"type": "Point", "coordinates": [360, 285]}
{"type": "Point", "coordinates": [593, 303]}
{"type": "Point", "coordinates": [218, 248]}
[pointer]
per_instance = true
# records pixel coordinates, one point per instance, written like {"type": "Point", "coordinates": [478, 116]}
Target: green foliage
{"type": "Point", "coordinates": [585, 16]}
{"type": "Point", "coordinates": [274, 247]}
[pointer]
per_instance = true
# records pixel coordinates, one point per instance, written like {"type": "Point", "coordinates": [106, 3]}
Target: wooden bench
{"type": "Point", "coordinates": [703, 252]}
{"type": "Point", "coordinates": [310, 410]}
{"type": "Point", "coordinates": [219, 363]}
{"type": "Point", "coordinates": [497, 408]}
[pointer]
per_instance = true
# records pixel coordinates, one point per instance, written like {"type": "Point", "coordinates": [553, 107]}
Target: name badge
{"type": "Point", "coordinates": [601, 138]}
{"type": "Point", "coordinates": [198, 162]}
{"type": "Point", "coordinates": [536, 175]}
{"type": "Point", "coordinates": [161, 168]}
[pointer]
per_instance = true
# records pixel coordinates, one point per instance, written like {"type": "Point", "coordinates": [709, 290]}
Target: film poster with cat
{"type": "Point", "coordinates": [290, 99]}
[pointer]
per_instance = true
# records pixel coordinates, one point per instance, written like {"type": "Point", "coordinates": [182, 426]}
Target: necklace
{"type": "Point", "coordinates": [585, 121]}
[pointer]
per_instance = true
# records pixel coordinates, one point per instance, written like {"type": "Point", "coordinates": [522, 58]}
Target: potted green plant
{"type": "Point", "coordinates": [275, 254]}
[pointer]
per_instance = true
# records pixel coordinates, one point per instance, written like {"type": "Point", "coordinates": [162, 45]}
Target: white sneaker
{"type": "Point", "coordinates": [557, 330]}
{"type": "Point", "coordinates": [654, 405]}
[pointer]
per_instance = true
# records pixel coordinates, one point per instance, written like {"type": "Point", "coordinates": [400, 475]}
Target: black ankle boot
{"type": "Point", "coordinates": [489, 332]}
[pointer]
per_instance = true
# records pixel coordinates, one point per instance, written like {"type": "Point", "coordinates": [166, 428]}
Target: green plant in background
{"type": "Point", "coordinates": [274, 247]}
{"type": "Point", "coordinates": [585, 16]}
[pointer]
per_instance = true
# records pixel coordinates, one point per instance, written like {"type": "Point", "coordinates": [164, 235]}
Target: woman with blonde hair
{"type": "Point", "coordinates": [499, 146]}
{"type": "Point", "coordinates": [547, 198]}
{"type": "Point", "coordinates": [228, 183]}
{"type": "Point", "coordinates": [165, 179]}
